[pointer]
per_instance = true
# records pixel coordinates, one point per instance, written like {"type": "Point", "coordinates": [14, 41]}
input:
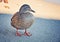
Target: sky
{"type": "Point", "coordinates": [44, 8]}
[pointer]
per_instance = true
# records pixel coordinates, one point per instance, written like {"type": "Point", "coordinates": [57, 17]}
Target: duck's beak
{"type": "Point", "coordinates": [32, 11]}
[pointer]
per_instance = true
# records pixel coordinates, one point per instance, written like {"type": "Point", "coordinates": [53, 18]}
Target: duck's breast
{"type": "Point", "coordinates": [27, 20]}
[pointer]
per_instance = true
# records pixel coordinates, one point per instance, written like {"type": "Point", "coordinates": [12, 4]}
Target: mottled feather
{"type": "Point", "coordinates": [22, 21]}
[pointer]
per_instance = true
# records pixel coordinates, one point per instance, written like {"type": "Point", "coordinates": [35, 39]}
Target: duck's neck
{"type": "Point", "coordinates": [25, 12]}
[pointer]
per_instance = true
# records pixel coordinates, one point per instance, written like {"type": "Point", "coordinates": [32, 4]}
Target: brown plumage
{"type": "Point", "coordinates": [20, 21]}
{"type": "Point", "coordinates": [23, 19]}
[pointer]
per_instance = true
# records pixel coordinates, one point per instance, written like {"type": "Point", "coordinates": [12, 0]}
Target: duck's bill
{"type": "Point", "coordinates": [33, 11]}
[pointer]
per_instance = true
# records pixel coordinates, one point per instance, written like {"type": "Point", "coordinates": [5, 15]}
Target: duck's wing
{"type": "Point", "coordinates": [14, 15]}
{"type": "Point", "coordinates": [15, 19]}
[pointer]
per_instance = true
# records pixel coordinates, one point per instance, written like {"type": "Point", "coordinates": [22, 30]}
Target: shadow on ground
{"type": "Point", "coordinates": [43, 30]}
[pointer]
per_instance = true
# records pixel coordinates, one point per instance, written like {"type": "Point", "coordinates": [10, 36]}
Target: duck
{"type": "Point", "coordinates": [23, 19]}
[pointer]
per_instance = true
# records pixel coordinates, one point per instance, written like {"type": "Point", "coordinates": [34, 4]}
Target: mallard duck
{"type": "Point", "coordinates": [23, 19]}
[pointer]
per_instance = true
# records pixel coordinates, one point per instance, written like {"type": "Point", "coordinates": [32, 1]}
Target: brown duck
{"type": "Point", "coordinates": [23, 19]}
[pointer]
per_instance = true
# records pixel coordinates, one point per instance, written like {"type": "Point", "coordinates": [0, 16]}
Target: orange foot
{"type": "Point", "coordinates": [27, 34]}
{"type": "Point", "coordinates": [18, 34]}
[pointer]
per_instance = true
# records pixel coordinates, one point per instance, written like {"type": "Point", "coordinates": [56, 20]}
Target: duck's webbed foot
{"type": "Point", "coordinates": [27, 33]}
{"type": "Point", "coordinates": [17, 33]}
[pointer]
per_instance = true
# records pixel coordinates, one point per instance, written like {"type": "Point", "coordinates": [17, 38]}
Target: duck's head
{"type": "Point", "coordinates": [26, 8]}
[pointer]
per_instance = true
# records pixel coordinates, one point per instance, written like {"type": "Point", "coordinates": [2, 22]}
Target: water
{"type": "Point", "coordinates": [42, 30]}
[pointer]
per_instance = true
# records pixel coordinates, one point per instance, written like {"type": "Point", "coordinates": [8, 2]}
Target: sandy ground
{"type": "Point", "coordinates": [43, 8]}
{"type": "Point", "coordinates": [42, 30]}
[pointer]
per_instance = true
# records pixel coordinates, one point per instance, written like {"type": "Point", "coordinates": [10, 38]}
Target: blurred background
{"type": "Point", "coordinates": [49, 9]}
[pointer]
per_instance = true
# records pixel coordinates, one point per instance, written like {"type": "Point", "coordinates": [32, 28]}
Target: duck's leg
{"type": "Point", "coordinates": [27, 33]}
{"type": "Point", "coordinates": [17, 33]}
